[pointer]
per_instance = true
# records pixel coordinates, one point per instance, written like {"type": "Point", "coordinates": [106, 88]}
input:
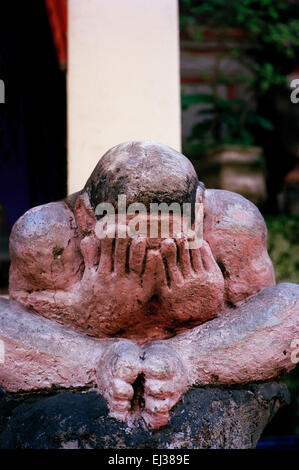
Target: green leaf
{"type": "Point", "coordinates": [199, 98]}
{"type": "Point", "coordinates": [264, 123]}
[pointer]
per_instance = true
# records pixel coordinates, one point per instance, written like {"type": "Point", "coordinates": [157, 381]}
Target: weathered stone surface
{"type": "Point", "coordinates": [64, 272]}
{"type": "Point", "coordinates": [252, 341]}
{"type": "Point", "coordinates": [145, 172]}
{"type": "Point", "coordinates": [237, 235]}
{"type": "Point", "coordinates": [45, 252]}
{"type": "Point", "coordinates": [161, 315]}
{"type": "Point", "coordinates": [214, 418]}
{"type": "Point", "coordinates": [41, 354]}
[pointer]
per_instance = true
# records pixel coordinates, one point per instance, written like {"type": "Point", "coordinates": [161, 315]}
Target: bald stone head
{"type": "Point", "coordinates": [145, 172]}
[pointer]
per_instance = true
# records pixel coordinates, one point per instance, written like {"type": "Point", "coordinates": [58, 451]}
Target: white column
{"type": "Point", "coordinates": [123, 78]}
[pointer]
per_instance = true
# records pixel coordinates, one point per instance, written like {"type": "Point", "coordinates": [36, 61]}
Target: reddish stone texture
{"type": "Point", "coordinates": [237, 235]}
{"type": "Point", "coordinates": [155, 295]}
{"type": "Point", "coordinates": [249, 343]}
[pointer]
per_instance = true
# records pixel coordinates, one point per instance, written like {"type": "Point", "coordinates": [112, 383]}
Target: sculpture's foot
{"type": "Point", "coordinates": [211, 417]}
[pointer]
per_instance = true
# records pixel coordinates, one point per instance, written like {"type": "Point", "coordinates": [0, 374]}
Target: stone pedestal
{"type": "Point", "coordinates": [210, 417]}
{"type": "Point", "coordinates": [235, 168]}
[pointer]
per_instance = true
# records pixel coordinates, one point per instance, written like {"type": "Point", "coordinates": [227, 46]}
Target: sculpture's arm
{"type": "Point", "coordinates": [44, 250]}
{"type": "Point", "coordinates": [237, 235]}
{"type": "Point", "coordinates": [251, 343]}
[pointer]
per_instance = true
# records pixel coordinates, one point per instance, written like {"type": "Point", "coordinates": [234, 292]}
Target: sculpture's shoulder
{"type": "Point", "coordinates": [40, 221]}
{"type": "Point", "coordinates": [43, 247]}
{"type": "Point", "coordinates": [226, 210]}
{"type": "Point", "coordinates": [237, 234]}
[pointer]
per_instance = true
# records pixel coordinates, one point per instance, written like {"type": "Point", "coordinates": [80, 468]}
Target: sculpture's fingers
{"type": "Point", "coordinates": [196, 260]}
{"type": "Point", "coordinates": [120, 256]}
{"type": "Point", "coordinates": [148, 277]}
{"type": "Point", "coordinates": [169, 253]}
{"type": "Point", "coordinates": [184, 256]}
{"type": "Point", "coordinates": [89, 247]}
{"type": "Point", "coordinates": [161, 278]}
{"type": "Point", "coordinates": [137, 255]}
{"type": "Point", "coordinates": [105, 265]}
{"type": "Point", "coordinates": [207, 257]}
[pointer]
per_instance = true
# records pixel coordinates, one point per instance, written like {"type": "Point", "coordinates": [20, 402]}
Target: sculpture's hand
{"type": "Point", "coordinates": [116, 284]}
{"type": "Point", "coordinates": [195, 285]}
{"type": "Point", "coordinates": [111, 297]}
{"type": "Point", "coordinates": [165, 382]}
{"type": "Point", "coordinates": [117, 371]}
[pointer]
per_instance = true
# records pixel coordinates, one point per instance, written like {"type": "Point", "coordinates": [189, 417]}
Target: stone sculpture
{"type": "Point", "coordinates": [144, 318]}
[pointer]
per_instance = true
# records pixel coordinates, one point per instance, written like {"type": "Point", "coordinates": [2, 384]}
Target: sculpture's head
{"type": "Point", "coordinates": [145, 172]}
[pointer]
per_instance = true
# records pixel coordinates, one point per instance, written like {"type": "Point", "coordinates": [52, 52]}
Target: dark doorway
{"type": "Point", "coordinates": [33, 117]}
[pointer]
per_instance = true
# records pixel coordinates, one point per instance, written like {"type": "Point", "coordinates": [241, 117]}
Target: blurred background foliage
{"type": "Point", "coordinates": [267, 39]}
{"type": "Point", "coordinates": [262, 38]}
{"type": "Point", "coordinates": [283, 246]}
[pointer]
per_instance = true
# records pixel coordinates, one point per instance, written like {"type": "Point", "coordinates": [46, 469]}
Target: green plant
{"type": "Point", "coordinates": [283, 246]}
{"type": "Point", "coordinates": [262, 36]}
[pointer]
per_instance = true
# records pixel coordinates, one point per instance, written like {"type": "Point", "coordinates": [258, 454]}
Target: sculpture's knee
{"type": "Point", "coordinates": [276, 305]}
{"type": "Point", "coordinates": [44, 249]}
{"type": "Point", "coordinates": [285, 292]}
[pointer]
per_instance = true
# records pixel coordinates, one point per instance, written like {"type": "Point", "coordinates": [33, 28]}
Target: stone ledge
{"type": "Point", "coordinates": [206, 417]}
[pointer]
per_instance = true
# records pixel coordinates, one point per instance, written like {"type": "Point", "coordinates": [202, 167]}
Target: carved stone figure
{"type": "Point", "coordinates": [144, 318]}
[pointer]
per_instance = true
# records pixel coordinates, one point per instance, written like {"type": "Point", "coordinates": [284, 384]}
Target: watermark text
{"type": "Point", "coordinates": [161, 221]}
{"type": "Point", "coordinates": [295, 93]}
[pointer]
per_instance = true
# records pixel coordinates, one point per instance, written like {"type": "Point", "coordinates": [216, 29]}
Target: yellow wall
{"type": "Point", "coordinates": [123, 78]}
